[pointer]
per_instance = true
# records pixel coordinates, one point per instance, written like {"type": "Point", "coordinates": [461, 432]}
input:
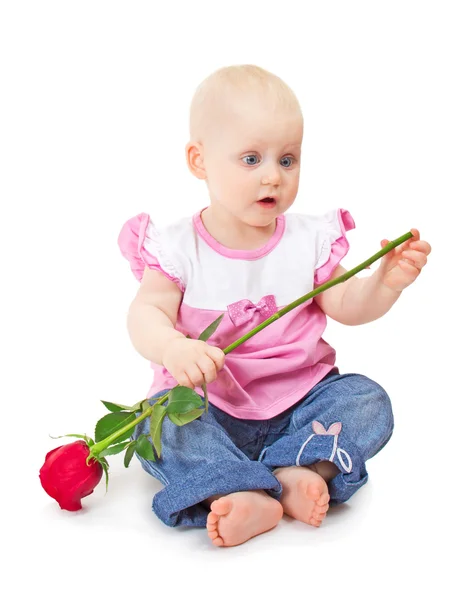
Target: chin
{"type": "Point", "coordinates": [264, 221]}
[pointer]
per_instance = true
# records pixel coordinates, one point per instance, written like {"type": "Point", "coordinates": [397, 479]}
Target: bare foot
{"type": "Point", "coordinates": [305, 494]}
{"type": "Point", "coordinates": [237, 517]}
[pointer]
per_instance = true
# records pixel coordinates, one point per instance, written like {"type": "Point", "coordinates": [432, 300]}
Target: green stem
{"type": "Point", "coordinates": [96, 448]}
{"type": "Point", "coordinates": [99, 446]}
{"type": "Point", "coordinates": [318, 290]}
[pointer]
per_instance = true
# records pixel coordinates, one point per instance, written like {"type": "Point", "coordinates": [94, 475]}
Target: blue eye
{"type": "Point", "coordinates": [288, 159]}
{"type": "Point", "coordinates": [250, 162]}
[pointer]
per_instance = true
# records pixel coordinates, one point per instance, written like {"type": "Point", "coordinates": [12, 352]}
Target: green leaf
{"type": "Point", "coordinates": [78, 435]}
{"type": "Point", "coordinates": [111, 423]}
{"type": "Point", "coordinates": [185, 395]}
{"type": "Point", "coordinates": [115, 407]}
{"type": "Point", "coordinates": [116, 449]}
{"type": "Point", "coordinates": [90, 441]}
{"type": "Point", "coordinates": [204, 388]}
{"type": "Point", "coordinates": [210, 330]}
{"type": "Point", "coordinates": [183, 419]}
{"type": "Point", "coordinates": [145, 405]}
{"type": "Point", "coordinates": [181, 407]}
{"type": "Point", "coordinates": [129, 453]}
{"type": "Point", "coordinates": [138, 405]}
{"type": "Point", "coordinates": [184, 405]}
{"type": "Point", "coordinates": [156, 423]}
{"type": "Point", "coordinates": [105, 468]}
{"type": "Point", "coordinates": [144, 448]}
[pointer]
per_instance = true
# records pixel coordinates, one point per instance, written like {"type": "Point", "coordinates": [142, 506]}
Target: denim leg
{"type": "Point", "coordinates": [345, 419]}
{"type": "Point", "coordinates": [199, 460]}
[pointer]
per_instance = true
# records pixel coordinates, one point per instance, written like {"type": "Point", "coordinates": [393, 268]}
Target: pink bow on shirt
{"type": "Point", "coordinates": [242, 311]}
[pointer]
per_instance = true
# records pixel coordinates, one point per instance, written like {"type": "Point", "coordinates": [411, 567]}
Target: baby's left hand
{"type": "Point", "coordinates": [400, 267]}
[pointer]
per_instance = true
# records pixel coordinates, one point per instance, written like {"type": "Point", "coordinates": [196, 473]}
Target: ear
{"type": "Point", "coordinates": [194, 157]}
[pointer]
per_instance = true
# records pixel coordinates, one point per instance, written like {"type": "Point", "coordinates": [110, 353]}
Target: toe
{"type": "Point", "coordinates": [278, 511]}
{"type": "Point", "coordinates": [212, 519]}
{"type": "Point", "coordinates": [316, 519]}
{"type": "Point", "coordinates": [313, 492]}
{"type": "Point", "coordinates": [324, 499]}
{"type": "Point", "coordinates": [218, 541]}
{"type": "Point", "coordinates": [317, 516]}
{"type": "Point", "coordinates": [221, 507]}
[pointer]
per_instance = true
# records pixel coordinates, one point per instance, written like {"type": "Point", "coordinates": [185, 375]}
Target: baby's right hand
{"type": "Point", "coordinates": [192, 362]}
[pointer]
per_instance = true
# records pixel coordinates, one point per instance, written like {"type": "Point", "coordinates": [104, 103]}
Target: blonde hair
{"type": "Point", "coordinates": [218, 87]}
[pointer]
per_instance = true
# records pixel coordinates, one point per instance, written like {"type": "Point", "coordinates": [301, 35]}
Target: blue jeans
{"type": "Point", "coordinates": [345, 419]}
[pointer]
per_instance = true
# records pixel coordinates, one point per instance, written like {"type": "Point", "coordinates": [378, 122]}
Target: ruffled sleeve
{"type": "Point", "coordinates": [141, 244]}
{"type": "Point", "coordinates": [332, 243]}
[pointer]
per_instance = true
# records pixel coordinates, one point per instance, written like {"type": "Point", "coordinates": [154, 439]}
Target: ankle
{"type": "Point", "coordinates": [325, 469]}
{"type": "Point", "coordinates": [207, 502]}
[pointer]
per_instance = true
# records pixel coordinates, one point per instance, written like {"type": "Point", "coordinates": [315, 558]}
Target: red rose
{"type": "Point", "coordinates": [67, 478]}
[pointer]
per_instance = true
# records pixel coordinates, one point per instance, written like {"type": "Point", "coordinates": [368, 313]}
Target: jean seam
{"type": "Point", "coordinates": [166, 495]}
{"type": "Point", "coordinates": [159, 475]}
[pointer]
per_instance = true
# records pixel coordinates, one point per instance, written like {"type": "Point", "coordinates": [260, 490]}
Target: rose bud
{"type": "Point", "coordinates": [67, 478]}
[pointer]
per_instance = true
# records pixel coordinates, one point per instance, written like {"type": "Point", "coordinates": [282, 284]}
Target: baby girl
{"type": "Point", "coordinates": [285, 432]}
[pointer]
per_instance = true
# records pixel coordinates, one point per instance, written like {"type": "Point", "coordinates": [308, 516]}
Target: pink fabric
{"type": "Point", "coordinates": [339, 248]}
{"type": "Point", "coordinates": [243, 311]}
{"type": "Point", "coordinates": [242, 254]}
{"type": "Point", "coordinates": [269, 372]}
{"type": "Point", "coordinates": [131, 243]}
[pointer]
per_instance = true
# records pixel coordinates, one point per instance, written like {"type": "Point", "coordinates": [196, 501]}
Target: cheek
{"type": "Point", "coordinates": [233, 180]}
{"type": "Point", "coordinates": [294, 181]}
{"type": "Point", "coordinates": [217, 176]}
{"type": "Point", "coordinates": [220, 171]}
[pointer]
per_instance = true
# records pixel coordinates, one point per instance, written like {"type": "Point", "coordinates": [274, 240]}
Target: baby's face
{"type": "Point", "coordinates": [255, 154]}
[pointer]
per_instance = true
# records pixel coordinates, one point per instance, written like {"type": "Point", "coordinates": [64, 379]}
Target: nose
{"type": "Point", "coordinates": [271, 175]}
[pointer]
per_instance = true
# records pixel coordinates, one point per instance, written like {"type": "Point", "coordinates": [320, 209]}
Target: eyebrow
{"type": "Point", "coordinates": [264, 143]}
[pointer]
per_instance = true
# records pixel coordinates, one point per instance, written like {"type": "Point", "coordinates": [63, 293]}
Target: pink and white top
{"type": "Point", "coordinates": [275, 368]}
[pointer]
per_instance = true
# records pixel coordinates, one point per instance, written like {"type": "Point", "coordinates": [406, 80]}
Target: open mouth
{"type": "Point", "coordinates": [268, 201]}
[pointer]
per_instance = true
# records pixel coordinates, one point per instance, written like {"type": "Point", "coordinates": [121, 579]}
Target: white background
{"type": "Point", "coordinates": [93, 123]}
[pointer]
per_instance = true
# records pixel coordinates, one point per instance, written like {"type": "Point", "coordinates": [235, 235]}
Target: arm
{"type": "Point", "coordinates": [361, 300]}
{"type": "Point", "coordinates": [152, 315]}
{"type": "Point", "coordinates": [151, 323]}
{"type": "Point", "coordinates": [357, 300]}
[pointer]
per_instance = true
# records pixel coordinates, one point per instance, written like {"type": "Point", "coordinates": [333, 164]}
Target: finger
{"type": "Point", "coordinates": [217, 355]}
{"type": "Point", "coordinates": [195, 375]}
{"type": "Point", "coordinates": [384, 243]}
{"type": "Point", "coordinates": [416, 235]}
{"type": "Point", "coordinates": [398, 249]}
{"type": "Point", "coordinates": [185, 381]}
{"type": "Point", "coordinates": [208, 368]}
{"type": "Point", "coordinates": [418, 258]}
{"type": "Point", "coordinates": [389, 254]}
{"type": "Point", "coordinates": [409, 268]}
{"type": "Point", "coordinates": [421, 246]}
{"type": "Point", "coordinates": [408, 244]}
{"type": "Point", "coordinates": [395, 251]}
